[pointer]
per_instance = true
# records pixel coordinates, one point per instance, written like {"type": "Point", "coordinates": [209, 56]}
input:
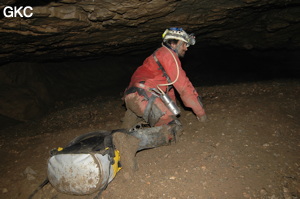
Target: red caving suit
{"type": "Point", "coordinates": [149, 75]}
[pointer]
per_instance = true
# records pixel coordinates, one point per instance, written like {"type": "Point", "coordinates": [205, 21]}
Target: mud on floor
{"type": "Point", "coordinates": [249, 147]}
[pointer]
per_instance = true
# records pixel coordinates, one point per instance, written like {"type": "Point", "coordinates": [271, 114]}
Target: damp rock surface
{"type": "Point", "coordinates": [87, 29]}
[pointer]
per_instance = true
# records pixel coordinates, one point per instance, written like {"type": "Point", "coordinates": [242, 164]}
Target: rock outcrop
{"type": "Point", "coordinates": [86, 29]}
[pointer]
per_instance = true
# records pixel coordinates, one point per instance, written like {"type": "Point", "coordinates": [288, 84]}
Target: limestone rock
{"type": "Point", "coordinates": [79, 29]}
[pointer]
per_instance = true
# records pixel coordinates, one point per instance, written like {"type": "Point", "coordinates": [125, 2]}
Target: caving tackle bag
{"type": "Point", "coordinates": [86, 165]}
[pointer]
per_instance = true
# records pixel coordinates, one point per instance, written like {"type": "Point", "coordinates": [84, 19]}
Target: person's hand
{"type": "Point", "coordinates": [202, 118]}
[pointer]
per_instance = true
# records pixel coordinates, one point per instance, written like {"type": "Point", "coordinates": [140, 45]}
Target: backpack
{"type": "Point", "coordinates": [86, 165]}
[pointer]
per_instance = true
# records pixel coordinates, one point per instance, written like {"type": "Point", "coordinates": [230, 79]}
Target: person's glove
{"type": "Point", "coordinates": [202, 118]}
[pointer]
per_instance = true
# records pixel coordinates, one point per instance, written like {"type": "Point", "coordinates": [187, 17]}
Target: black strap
{"type": "Point", "coordinates": [46, 181]}
{"type": "Point", "coordinates": [161, 67]}
{"type": "Point", "coordinates": [149, 107]}
{"type": "Point", "coordinates": [140, 91]}
{"type": "Point", "coordinates": [163, 70]}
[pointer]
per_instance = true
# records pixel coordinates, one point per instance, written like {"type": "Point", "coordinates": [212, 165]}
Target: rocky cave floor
{"type": "Point", "coordinates": [249, 147]}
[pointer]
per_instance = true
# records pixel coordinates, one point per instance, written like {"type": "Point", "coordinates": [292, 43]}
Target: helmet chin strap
{"type": "Point", "coordinates": [178, 46]}
{"type": "Point", "coordinates": [176, 49]}
{"type": "Point", "coordinates": [170, 47]}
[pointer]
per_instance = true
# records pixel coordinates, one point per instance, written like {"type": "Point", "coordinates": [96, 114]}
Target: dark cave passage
{"type": "Point", "coordinates": [38, 87]}
{"type": "Point", "coordinates": [218, 66]}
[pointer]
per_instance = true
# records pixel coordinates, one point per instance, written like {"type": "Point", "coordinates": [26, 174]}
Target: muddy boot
{"type": "Point", "coordinates": [153, 137]}
{"type": "Point", "coordinates": [175, 127]}
{"type": "Point", "coordinates": [128, 146]}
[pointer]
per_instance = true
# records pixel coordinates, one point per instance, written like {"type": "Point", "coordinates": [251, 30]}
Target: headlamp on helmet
{"type": "Point", "coordinates": [179, 34]}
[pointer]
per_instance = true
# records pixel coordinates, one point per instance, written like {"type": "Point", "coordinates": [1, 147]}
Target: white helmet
{"type": "Point", "coordinates": [179, 34]}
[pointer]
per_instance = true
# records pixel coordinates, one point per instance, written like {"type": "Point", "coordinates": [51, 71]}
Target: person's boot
{"type": "Point", "coordinates": [128, 146]}
{"type": "Point", "coordinates": [175, 127]}
{"type": "Point", "coordinates": [154, 136]}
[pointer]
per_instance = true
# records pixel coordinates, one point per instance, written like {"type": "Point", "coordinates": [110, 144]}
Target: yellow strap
{"type": "Point", "coordinates": [115, 166]}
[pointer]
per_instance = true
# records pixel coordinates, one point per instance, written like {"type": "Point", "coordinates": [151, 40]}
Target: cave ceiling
{"type": "Point", "coordinates": [67, 29]}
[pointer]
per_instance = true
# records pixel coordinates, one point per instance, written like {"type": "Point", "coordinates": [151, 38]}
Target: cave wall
{"type": "Point", "coordinates": [30, 90]}
{"type": "Point", "coordinates": [68, 29]}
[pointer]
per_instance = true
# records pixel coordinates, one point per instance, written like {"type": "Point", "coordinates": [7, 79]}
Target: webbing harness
{"type": "Point", "coordinates": [163, 70]}
{"type": "Point", "coordinates": [142, 92]}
